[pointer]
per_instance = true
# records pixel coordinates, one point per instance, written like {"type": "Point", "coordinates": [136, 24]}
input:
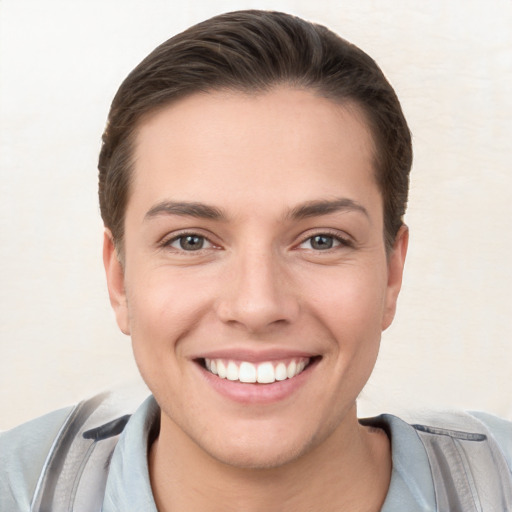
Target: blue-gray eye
{"type": "Point", "coordinates": [322, 242]}
{"type": "Point", "coordinates": [189, 242]}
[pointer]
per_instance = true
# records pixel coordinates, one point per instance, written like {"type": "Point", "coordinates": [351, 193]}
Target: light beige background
{"type": "Point", "coordinates": [451, 64]}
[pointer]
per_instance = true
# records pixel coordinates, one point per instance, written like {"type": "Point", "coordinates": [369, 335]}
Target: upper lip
{"type": "Point", "coordinates": [254, 356]}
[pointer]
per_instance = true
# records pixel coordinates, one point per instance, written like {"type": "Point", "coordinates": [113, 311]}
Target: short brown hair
{"type": "Point", "coordinates": [253, 51]}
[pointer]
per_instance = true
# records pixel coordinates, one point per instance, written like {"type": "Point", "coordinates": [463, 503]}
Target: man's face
{"type": "Point", "coordinates": [254, 250]}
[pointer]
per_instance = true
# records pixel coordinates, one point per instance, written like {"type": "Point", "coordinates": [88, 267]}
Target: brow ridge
{"type": "Point", "coordinates": [186, 208]}
{"type": "Point", "coordinates": [308, 209]}
{"type": "Point", "coordinates": [325, 207]}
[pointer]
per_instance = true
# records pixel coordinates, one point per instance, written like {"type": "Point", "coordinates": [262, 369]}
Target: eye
{"type": "Point", "coordinates": [189, 242]}
{"type": "Point", "coordinates": [323, 242]}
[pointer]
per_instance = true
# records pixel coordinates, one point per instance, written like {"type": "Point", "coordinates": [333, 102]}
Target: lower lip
{"type": "Point", "coordinates": [249, 393]}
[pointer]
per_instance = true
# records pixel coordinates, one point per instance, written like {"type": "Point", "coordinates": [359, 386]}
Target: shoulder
{"type": "Point", "coordinates": [63, 457]}
{"type": "Point", "coordinates": [470, 427]}
{"type": "Point", "coordinates": [440, 458]}
{"type": "Point", "coordinates": [469, 455]}
{"type": "Point", "coordinates": [500, 430]}
{"type": "Point", "coordinates": [23, 451]}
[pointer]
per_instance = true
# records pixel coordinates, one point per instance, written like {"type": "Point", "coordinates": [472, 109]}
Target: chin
{"type": "Point", "coordinates": [257, 457]}
{"type": "Point", "coordinates": [263, 448]}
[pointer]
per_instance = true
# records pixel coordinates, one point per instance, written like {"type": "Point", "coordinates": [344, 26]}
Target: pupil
{"type": "Point", "coordinates": [322, 242]}
{"type": "Point", "coordinates": [191, 242]}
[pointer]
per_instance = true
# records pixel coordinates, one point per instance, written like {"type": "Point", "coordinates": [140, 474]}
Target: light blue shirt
{"type": "Point", "coordinates": [23, 452]}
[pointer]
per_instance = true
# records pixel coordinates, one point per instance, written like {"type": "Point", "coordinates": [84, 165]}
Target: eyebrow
{"type": "Point", "coordinates": [325, 207]}
{"type": "Point", "coordinates": [302, 211]}
{"type": "Point", "coordinates": [188, 209]}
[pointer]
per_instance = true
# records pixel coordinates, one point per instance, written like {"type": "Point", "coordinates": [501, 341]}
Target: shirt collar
{"type": "Point", "coordinates": [411, 487]}
{"type": "Point", "coordinates": [129, 488]}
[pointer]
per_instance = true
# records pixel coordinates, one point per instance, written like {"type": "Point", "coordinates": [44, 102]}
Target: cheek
{"type": "Point", "coordinates": [351, 308]}
{"type": "Point", "coordinates": [351, 302]}
{"type": "Point", "coordinates": [163, 307]}
{"type": "Point", "coordinates": [158, 319]}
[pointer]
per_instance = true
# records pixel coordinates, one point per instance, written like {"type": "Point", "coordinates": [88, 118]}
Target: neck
{"type": "Point", "coordinates": [350, 470]}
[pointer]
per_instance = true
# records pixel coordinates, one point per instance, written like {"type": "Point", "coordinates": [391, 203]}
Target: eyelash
{"type": "Point", "coordinates": [167, 243]}
{"type": "Point", "coordinates": [337, 239]}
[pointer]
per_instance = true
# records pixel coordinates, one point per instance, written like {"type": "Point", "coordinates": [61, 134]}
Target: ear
{"type": "Point", "coordinates": [396, 261]}
{"type": "Point", "coordinates": [115, 281]}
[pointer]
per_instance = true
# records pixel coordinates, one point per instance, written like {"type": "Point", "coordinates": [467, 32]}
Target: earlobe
{"type": "Point", "coordinates": [115, 281]}
{"type": "Point", "coordinates": [396, 264]}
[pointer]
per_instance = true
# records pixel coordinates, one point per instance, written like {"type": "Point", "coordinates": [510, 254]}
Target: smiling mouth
{"type": "Point", "coordinates": [266, 372]}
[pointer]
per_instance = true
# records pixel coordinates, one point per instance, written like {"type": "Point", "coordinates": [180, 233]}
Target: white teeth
{"type": "Point", "coordinates": [221, 369]}
{"type": "Point", "coordinates": [266, 374]}
{"type": "Point", "coordinates": [281, 373]}
{"type": "Point", "coordinates": [232, 371]}
{"type": "Point", "coordinates": [263, 373]}
{"type": "Point", "coordinates": [291, 370]}
{"type": "Point", "coordinates": [247, 372]}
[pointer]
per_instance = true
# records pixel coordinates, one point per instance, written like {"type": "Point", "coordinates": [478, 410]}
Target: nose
{"type": "Point", "coordinates": [258, 294]}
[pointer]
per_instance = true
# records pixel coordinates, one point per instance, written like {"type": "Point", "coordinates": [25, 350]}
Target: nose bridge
{"type": "Point", "coordinates": [258, 293]}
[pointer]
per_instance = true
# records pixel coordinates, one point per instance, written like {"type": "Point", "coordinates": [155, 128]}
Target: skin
{"type": "Point", "coordinates": [257, 286]}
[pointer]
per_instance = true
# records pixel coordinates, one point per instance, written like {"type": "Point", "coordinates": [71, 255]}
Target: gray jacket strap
{"type": "Point", "coordinates": [470, 472]}
{"type": "Point", "coordinates": [75, 473]}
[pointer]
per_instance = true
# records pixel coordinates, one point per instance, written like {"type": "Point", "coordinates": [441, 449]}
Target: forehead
{"type": "Point", "coordinates": [223, 144]}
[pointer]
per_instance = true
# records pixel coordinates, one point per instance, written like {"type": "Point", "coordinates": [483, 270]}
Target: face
{"type": "Point", "coordinates": [255, 283]}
